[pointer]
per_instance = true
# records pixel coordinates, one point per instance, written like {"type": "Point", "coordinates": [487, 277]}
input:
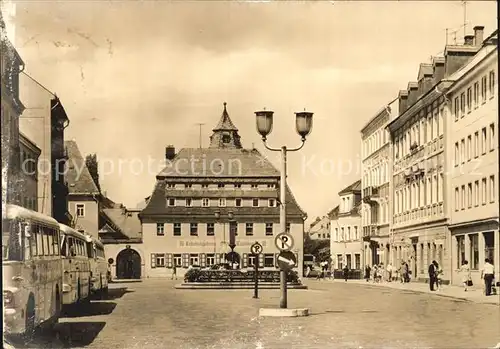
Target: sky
{"type": "Point", "coordinates": [135, 76]}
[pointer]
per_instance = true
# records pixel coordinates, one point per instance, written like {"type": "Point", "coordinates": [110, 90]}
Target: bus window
{"type": "Point", "coordinates": [33, 240]}
{"type": "Point", "coordinates": [39, 239]}
{"type": "Point", "coordinates": [71, 247]}
{"type": "Point", "coordinates": [11, 246]}
{"type": "Point", "coordinates": [64, 246]}
{"type": "Point", "coordinates": [48, 241]}
{"type": "Point", "coordinates": [55, 237]}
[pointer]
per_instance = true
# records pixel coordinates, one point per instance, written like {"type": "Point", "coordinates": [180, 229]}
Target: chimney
{"type": "Point", "coordinates": [438, 69]}
{"type": "Point", "coordinates": [403, 100]}
{"type": "Point", "coordinates": [478, 35]}
{"type": "Point", "coordinates": [469, 40]}
{"type": "Point", "coordinates": [169, 152]}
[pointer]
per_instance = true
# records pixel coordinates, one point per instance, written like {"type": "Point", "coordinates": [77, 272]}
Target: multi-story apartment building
{"type": "Point", "coordinates": [474, 163]}
{"type": "Point", "coordinates": [28, 179]}
{"type": "Point", "coordinates": [375, 186]}
{"type": "Point", "coordinates": [11, 65]}
{"type": "Point", "coordinates": [346, 243]}
{"type": "Point", "coordinates": [420, 219]}
{"type": "Point", "coordinates": [204, 194]}
{"type": "Point", "coordinates": [320, 229]}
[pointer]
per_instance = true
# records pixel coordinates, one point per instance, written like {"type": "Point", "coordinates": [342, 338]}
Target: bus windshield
{"type": "Point", "coordinates": [11, 241]}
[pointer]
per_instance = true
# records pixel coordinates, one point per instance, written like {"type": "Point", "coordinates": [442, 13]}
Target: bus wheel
{"type": "Point", "coordinates": [29, 329]}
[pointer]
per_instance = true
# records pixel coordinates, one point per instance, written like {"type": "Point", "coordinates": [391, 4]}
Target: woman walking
{"type": "Point", "coordinates": [466, 276]}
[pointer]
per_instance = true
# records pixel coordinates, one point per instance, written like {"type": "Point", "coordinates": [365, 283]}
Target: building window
{"type": "Point", "coordinates": [160, 260]}
{"type": "Point", "coordinates": [492, 137]}
{"type": "Point", "coordinates": [462, 206]}
{"type": "Point", "coordinates": [476, 193]}
{"type": "Point", "coordinates": [170, 185]}
{"type": "Point", "coordinates": [288, 227]}
{"type": "Point", "coordinates": [204, 186]}
{"type": "Point", "coordinates": [237, 186]}
{"type": "Point", "coordinates": [476, 144]}
{"type": "Point", "coordinates": [255, 202]}
{"type": "Point", "coordinates": [269, 260]}
{"type": "Point", "coordinates": [220, 185]}
{"type": "Point", "coordinates": [462, 104]}
{"type": "Point", "coordinates": [194, 259]}
{"type": "Point", "coordinates": [357, 261]}
{"type": "Point", "coordinates": [457, 108]}
{"type": "Point", "coordinates": [483, 89]}
{"type": "Point", "coordinates": [469, 195]}
{"type": "Point", "coordinates": [348, 261]}
{"type": "Point", "coordinates": [193, 229]}
{"type": "Point", "coordinates": [249, 229]}
{"type": "Point", "coordinates": [457, 154]}
{"type": "Point", "coordinates": [210, 229]}
{"type": "Point", "coordinates": [269, 229]}
{"type": "Point", "coordinates": [160, 229]}
{"type": "Point", "coordinates": [483, 184]}
{"type": "Point", "coordinates": [469, 141]}
{"type": "Point", "coordinates": [469, 99]}
{"type": "Point", "coordinates": [205, 202]}
{"type": "Point", "coordinates": [188, 186]}
{"type": "Point", "coordinates": [80, 210]}
{"type": "Point", "coordinates": [272, 203]}
{"type": "Point", "coordinates": [189, 202]}
{"type": "Point", "coordinates": [222, 202]}
{"type": "Point", "coordinates": [460, 251]}
{"type": "Point", "coordinates": [171, 201]}
{"type": "Point", "coordinates": [474, 251]}
{"type": "Point", "coordinates": [178, 260]}
{"type": "Point", "coordinates": [254, 186]}
{"type": "Point", "coordinates": [492, 189]}
{"type": "Point", "coordinates": [476, 94]}
{"type": "Point", "coordinates": [349, 237]}
{"type": "Point", "coordinates": [177, 229]}
{"type": "Point", "coordinates": [492, 84]}
{"type": "Point", "coordinates": [462, 151]}
{"type": "Point", "coordinates": [271, 186]}
{"type": "Point", "coordinates": [483, 140]}
{"type": "Point", "coordinates": [237, 202]}
{"type": "Point", "coordinates": [356, 236]}
{"type": "Point", "coordinates": [457, 199]}
{"type": "Point", "coordinates": [339, 261]}
{"type": "Point", "coordinates": [210, 259]}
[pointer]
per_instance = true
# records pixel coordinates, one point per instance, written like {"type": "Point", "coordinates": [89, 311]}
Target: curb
{"type": "Point", "coordinates": [278, 312]}
{"type": "Point", "coordinates": [425, 292]}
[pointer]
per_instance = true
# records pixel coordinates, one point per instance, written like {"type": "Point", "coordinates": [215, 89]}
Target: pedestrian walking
{"type": "Point", "coordinates": [439, 276]}
{"type": "Point", "coordinates": [367, 273]}
{"type": "Point", "coordinates": [466, 276]}
{"type": "Point", "coordinates": [487, 273]}
{"type": "Point", "coordinates": [308, 271]}
{"type": "Point", "coordinates": [432, 275]}
{"type": "Point", "coordinates": [346, 273]}
{"type": "Point", "coordinates": [174, 272]}
{"type": "Point", "coordinates": [389, 272]}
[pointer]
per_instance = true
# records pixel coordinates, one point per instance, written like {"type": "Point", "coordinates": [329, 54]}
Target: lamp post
{"type": "Point", "coordinates": [303, 123]}
{"type": "Point", "coordinates": [232, 238]}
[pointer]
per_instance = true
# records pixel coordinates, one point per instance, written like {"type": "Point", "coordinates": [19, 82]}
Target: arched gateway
{"type": "Point", "coordinates": [128, 264]}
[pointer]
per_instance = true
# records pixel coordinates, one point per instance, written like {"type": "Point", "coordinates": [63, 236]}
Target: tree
{"type": "Point", "coordinates": [320, 249]}
{"type": "Point", "coordinates": [93, 167]}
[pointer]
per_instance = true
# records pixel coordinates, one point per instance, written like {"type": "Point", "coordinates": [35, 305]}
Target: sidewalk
{"type": "Point", "coordinates": [473, 294]}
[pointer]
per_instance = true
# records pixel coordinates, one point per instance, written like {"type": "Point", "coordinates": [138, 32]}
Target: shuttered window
{"type": "Point", "coordinates": [217, 258]}
{"type": "Point", "coordinates": [168, 260]}
{"type": "Point", "coordinates": [153, 260]}
{"type": "Point", "coordinates": [261, 260]}
{"type": "Point", "coordinates": [203, 261]}
{"type": "Point", "coordinates": [185, 260]}
{"type": "Point", "coordinates": [245, 260]}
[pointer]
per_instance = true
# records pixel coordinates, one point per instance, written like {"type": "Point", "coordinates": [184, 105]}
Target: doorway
{"type": "Point", "coordinates": [128, 264]}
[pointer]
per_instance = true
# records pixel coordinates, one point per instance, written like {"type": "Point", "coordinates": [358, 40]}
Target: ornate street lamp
{"type": "Point", "coordinates": [303, 124]}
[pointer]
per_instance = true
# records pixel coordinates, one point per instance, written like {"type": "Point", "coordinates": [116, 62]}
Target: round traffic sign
{"type": "Point", "coordinates": [284, 242]}
{"type": "Point", "coordinates": [256, 248]}
{"type": "Point", "coordinates": [111, 260]}
{"type": "Point", "coordinates": [286, 260]}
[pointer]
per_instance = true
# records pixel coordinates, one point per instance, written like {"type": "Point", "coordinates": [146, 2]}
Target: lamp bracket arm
{"type": "Point", "coordinates": [268, 147]}
{"type": "Point", "coordinates": [298, 148]}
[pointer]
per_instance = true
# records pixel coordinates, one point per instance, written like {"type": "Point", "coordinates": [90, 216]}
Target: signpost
{"type": "Point", "coordinates": [284, 242]}
{"type": "Point", "coordinates": [286, 260]}
{"type": "Point", "coordinates": [256, 250]}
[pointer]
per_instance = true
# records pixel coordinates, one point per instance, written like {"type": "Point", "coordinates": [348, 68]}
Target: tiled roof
{"type": "Point", "coordinates": [355, 187]}
{"type": "Point", "coordinates": [333, 213]}
{"type": "Point", "coordinates": [225, 123]}
{"type": "Point", "coordinates": [157, 206]}
{"type": "Point", "coordinates": [126, 221]}
{"type": "Point", "coordinates": [78, 176]}
{"type": "Point", "coordinates": [214, 162]}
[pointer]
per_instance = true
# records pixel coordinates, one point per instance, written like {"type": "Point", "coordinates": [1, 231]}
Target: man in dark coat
{"type": "Point", "coordinates": [346, 272]}
{"type": "Point", "coordinates": [432, 275]}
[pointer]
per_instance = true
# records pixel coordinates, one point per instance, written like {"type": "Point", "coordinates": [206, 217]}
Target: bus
{"type": "Point", "coordinates": [32, 270]}
{"type": "Point", "coordinates": [75, 265]}
{"type": "Point", "coordinates": [98, 266]}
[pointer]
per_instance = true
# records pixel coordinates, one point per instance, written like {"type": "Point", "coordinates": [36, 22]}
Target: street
{"type": "Point", "coordinates": [152, 314]}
